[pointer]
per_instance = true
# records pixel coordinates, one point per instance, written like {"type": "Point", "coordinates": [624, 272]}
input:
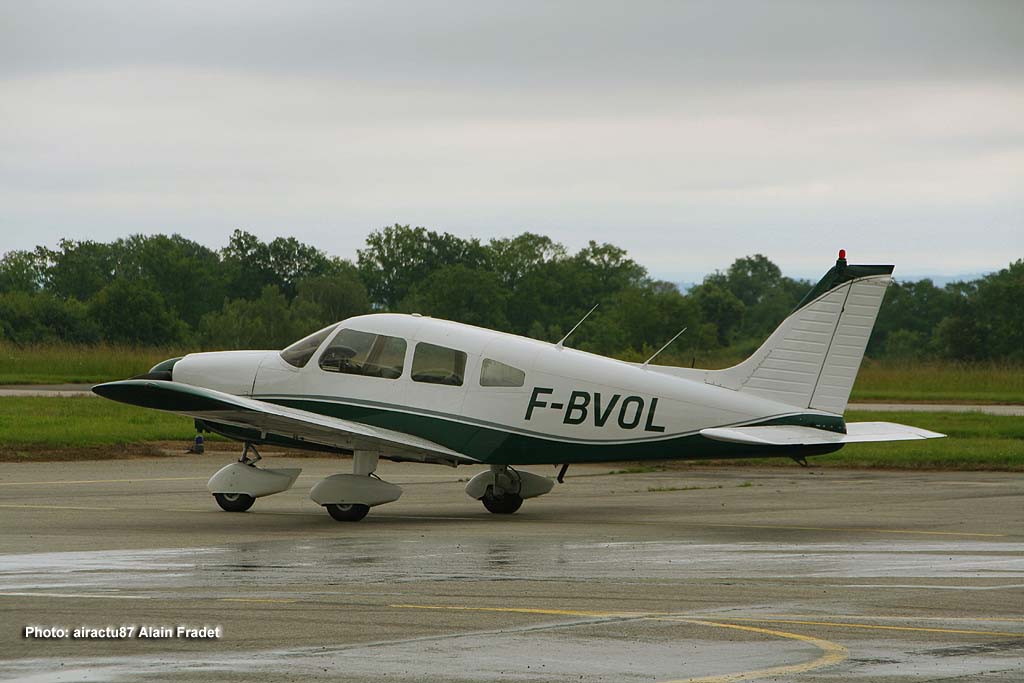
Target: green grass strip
{"type": "Point", "coordinates": [975, 441]}
{"type": "Point", "coordinates": [84, 421]}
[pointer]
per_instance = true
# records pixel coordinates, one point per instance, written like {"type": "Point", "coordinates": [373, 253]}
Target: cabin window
{"type": "Point", "coordinates": [362, 353]}
{"type": "Point", "coordinates": [496, 374]}
{"type": "Point", "coordinates": [438, 365]}
{"type": "Point", "coordinates": [299, 353]}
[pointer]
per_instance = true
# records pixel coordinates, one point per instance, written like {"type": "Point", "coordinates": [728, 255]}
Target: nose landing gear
{"type": "Point", "coordinates": [236, 487]}
{"type": "Point", "coordinates": [234, 502]}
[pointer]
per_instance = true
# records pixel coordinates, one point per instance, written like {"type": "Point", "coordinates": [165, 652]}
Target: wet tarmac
{"type": "Point", "coordinates": [711, 574]}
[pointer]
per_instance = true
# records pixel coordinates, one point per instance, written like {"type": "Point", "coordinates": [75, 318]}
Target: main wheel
{"type": "Point", "coordinates": [347, 512]}
{"type": "Point", "coordinates": [501, 505]}
{"type": "Point", "coordinates": [234, 502]}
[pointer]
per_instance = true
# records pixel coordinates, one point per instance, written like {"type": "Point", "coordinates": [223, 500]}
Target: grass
{"type": "Point", "coordinates": [976, 441]}
{"type": "Point", "coordinates": [84, 422]}
{"type": "Point", "coordinates": [63, 363]}
{"type": "Point", "coordinates": [938, 381]}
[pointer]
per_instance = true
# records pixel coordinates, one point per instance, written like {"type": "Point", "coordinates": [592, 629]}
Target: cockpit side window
{"type": "Point", "coordinates": [352, 352]}
{"type": "Point", "coordinates": [438, 365]}
{"type": "Point", "coordinates": [496, 374]}
{"type": "Point", "coordinates": [299, 353]}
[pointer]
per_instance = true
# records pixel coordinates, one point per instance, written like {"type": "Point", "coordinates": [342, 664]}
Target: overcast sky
{"type": "Point", "coordinates": [689, 133]}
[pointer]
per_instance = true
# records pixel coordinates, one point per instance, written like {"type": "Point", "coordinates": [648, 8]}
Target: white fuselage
{"type": "Point", "coordinates": [568, 396]}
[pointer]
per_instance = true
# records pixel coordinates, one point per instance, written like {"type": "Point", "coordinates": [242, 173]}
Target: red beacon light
{"type": "Point", "coordinates": [842, 254]}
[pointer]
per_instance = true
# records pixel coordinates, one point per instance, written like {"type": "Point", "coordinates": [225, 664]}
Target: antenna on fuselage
{"type": "Point", "coordinates": [561, 342]}
{"type": "Point", "coordinates": [663, 347]}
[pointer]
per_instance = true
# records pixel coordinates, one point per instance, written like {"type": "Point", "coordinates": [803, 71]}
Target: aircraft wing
{"type": "Point", "coordinates": [268, 418]}
{"type": "Point", "coordinates": [792, 435]}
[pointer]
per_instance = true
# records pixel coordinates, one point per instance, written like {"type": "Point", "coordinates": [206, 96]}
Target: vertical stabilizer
{"type": "Point", "coordinates": [812, 358]}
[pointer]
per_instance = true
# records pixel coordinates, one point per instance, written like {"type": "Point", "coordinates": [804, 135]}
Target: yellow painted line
{"type": "Point", "coordinates": [831, 653]}
{"type": "Point", "coordinates": [886, 618]}
{"type": "Point", "coordinates": [880, 627]}
{"type": "Point", "coordinates": [98, 481]}
{"type": "Point", "coordinates": [851, 529]}
{"type": "Point", "coordinates": [782, 527]}
{"type": "Point", "coordinates": [137, 509]}
{"type": "Point", "coordinates": [274, 600]}
{"type": "Point", "coordinates": [526, 610]}
{"type": "Point", "coordinates": [100, 596]}
{"type": "Point", "coordinates": [55, 507]}
{"type": "Point", "coordinates": [254, 513]}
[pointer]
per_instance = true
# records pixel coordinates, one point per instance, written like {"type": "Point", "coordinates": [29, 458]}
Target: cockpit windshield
{"type": "Point", "coordinates": [363, 353]}
{"type": "Point", "coordinates": [299, 353]}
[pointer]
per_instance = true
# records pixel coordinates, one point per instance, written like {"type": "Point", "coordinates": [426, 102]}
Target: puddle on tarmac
{"type": "Point", "coordinates": [330, 562]}
{"type": "Point", "coordinates": [597, 652]}
{"type": "Point", "coordinates": [552, 656]}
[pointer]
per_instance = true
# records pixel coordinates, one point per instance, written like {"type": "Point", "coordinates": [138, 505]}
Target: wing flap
{"type": "Point", "coordinates": [793, 435]}
{"type": "Point", "coordinates": [269, 418]}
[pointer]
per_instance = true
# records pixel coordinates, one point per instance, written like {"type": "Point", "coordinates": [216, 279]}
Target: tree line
{"type": "Point", "coordinates": [165, 290]}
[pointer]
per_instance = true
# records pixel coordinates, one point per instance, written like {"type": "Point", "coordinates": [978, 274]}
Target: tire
{"type": "Point", "coordinates": [503, 505]}
{"type": "Point", "coordinates": [234, 502]}
{"type": "Point", "coordinates": [347, 512]}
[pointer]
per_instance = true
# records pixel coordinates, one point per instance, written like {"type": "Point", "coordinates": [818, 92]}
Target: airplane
{"type": "Point", "coordinates": [408, 387]}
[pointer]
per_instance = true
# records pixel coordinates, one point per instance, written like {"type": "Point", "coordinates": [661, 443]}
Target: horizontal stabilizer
{"type": "Point", "coordinates": [793, 435]}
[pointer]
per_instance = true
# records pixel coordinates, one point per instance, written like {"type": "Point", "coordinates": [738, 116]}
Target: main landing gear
{"type": "Point", "coordinates": [501, 503]}
{"type": "Point", "coordinates": [502, 489]}
{"type": "Point", "coordinates": [347, 512]}
{"type": "Point", "coordinates": [349, 497]}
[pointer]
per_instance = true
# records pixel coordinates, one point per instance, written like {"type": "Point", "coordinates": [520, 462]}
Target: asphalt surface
{"type": "Point", "coordinates": [46, 390]}
{"type": "Point", "coordinates": [712, 575]}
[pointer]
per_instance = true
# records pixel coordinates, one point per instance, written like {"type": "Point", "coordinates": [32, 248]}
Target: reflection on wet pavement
{"type": "Point", "coordinates": [327, 562]}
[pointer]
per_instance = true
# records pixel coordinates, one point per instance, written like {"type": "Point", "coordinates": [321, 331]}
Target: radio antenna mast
{"type": "Point", "coordinates": [663, 347]}
{"type": "Point", "coordinates": [561, 342]}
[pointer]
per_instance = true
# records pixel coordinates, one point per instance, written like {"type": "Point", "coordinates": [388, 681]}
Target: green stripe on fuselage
{"type": "Point", "coordinates": [496, 446]}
